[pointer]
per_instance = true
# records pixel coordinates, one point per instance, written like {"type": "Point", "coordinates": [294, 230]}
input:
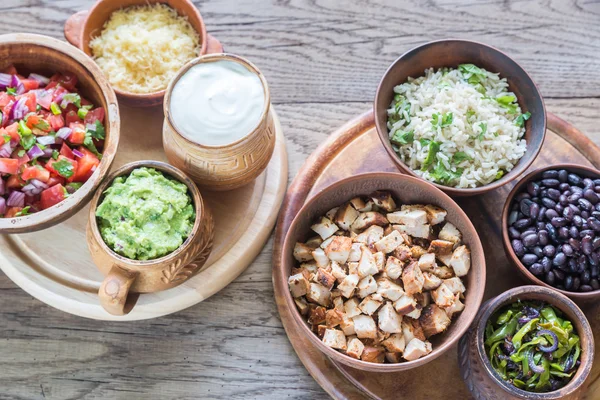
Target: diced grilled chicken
{"type": "Point", "coordinates": [351, 308]}
{"type": "Point", "coordinates": [335, 293]}
{"type": "Point", "coordinates": [389, 320]}
{"type": "Point", "coordinates": [379, 258]}
{"type": "Point", "coordinates": [347, 325]}
{"type": "Point", "coordinates": [435, 215]}
{"type": "Point", "coordinates": [302, 252]}
{"type": "Point", "coordinates": [423, 299]}
{"type": "Point", "coordinates": [389, 289]}
{"type": "Point", "coordinates": [365, 327]}
{"type": "Point", "coordinates": [416, 349]}
{"type": "Point", "coordinates": [405, 304]}
{"type": "Point", "coordinates": [412, 279]}
{"type": "Point", "coordinates": [443, 272]}
{"type": "Point", "coordinates": [393, 358]}
{"type": "Point", "coordinates": [450, 233]}
{"type": "Point", "coordinates": [374, 354]}
{"type": "Point", "coordinates": [383, 200]}
{"type": "Point", "coordinates": [403, 252]}
{"type": "Point", "coordinates": [325, 278]}
{"type": "Point", "coordinates": [366, 286]}
{"type": "Point", "coordinates": [348, 285]}
{"type": "Point", "coordinates": [320, 257]}
{"type": "Point", "coordinates": [306, 269]}
{"type": "Point", "coordinates": [345, 216]}
{"type": "Point", "coordinates": [416, 313]}
{"type": "Point", "coordinates": [298, 284]}
{"type": "Point", "coordinates": [395, 343]}
{"type": "Point", "coordinates": [319, 294]}
{"type": "Point", "coordinates": [419, 231]}
{"type": "Point", "coordinates": [331, 213]}
{"type": "Point", "coordinates": [320, 330]}
{"type": "Point", "coordinates": [393, 267]}
{"type": "Point", "coordinates": [352, 268]}
{"type": "Point", "coordinates": [339, 249]}
{"type": "Point", "coordinates": [369, 305]}
{"type": "Point", "coordinates": [441, 247]}
{"type": "Point", "coordinates": [355, 348]}
{"type": "Point", "coordinates": [461, 261]}
{"type": "Point", "coordinates": [316, 314]}
{"type": "Point", "coordinates": [338, 303]}
{"type": "Point", "coordinates": [456, 307]}
{"type": "Point", "coordinates": [411, 328]}
{"type": "Point", "coordinates": [333, 318]}
{"type": "Point", "coordinates": [302, 305]}
{"type": "Point", "coordinates": [430, 281]}
{"type": "Point", "coordinates": [442, 296]}
{"type": "Point", "coordinates": [361, 205]}
{"type": "Point", "coordinates": [326, 242]}
{"type": "Point", "coordinates": [334, 339]}
{"type": "Point", "coordinates": [417, 252]}
{"type": "Point", "coordinates": [445, 258]}
{"type": "Point", "coordinates": [368, 219]}
{"type": "Point", "coordinates": [455, 285]}
{"type": "Point", "coordinates": [433, 320]}
{"type": "Point", "coordinates": [355, 252]}
{"type": "Point", "coordinates": [325, 228]}
{"type": "Point", "coordinates": [427, 262]}
{"type": "Point", "coordinates": [366, 265]}
{"type": "Point", "coordinates": [314, 242]}
{"type": "Point", "coordinates": [409, 218]}
{"type": "Point", "coordinates": [390, 242]}
{"type": "Point", "coordinates": [338, 272]}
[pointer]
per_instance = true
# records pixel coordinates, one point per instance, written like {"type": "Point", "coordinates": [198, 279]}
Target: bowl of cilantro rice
{"type": "Point", "coordinates": [461, 115]}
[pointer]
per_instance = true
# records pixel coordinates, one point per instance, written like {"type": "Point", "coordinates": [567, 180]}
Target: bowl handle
{"type": "Point", "coordinates": [213, 45]}
{"type": "Point", "coordinates": [73, 27]}
{"type": "Point", "coordinates": [114, 291]}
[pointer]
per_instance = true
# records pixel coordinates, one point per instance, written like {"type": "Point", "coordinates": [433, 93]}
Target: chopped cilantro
{"type": "Point", "coordinates": [71, 98]}
{"type": "Point", "coordinates": [445, 176]}
{"type": "Point", "coordinates": [11, 91]}
{"type": "Point", "coordinates": [460, 156]}
{"type": "Point", "coordinates": [55, 154]}
{"type": "Point", "coordinates": [7, 138]}
{"type": "Point", "coordinates": [55, 109]}
{"type": "Point", "coordinates": [435, 118]}
{"type": "Point", "coordinates": [89, 143]}
{"type": "Point", "coordinates": [447, 120]}
{"type": "Point", "coordinates": [472, 73]}
{"type": "Point", "coordinates": [401, 138]}
{"type": "Point", "coordinates": [42, 125]}
{"type": "Point", "coordinates": [27, 141]}
{"type": "Point", "coordinates": [23, 212]}
{"type": "Point", "coordinates": [483, 126]}
{"type": "Point", "coordinates": [424, 142]}
{"type": "Point", "coordinates": [402, 110]}
{"type": "Point", "coordinates": [520, 121]}
{"type": "Point", "coordinates": [64, 168]}
{"type": "Point", "coordinates": [434, 147]}
{"type": "Point", "coordinates": [508, 102]}
{"type": "Point", "coordinates": [73, 186]}
{"type": "Point", "coordinates": [21, 153]}
{"type": "Point", "coordinates": [470, 114]}
{"type": "Point", "coordinates": [500, 174]}
{"type": "Point", "coordinates": [96, 131]}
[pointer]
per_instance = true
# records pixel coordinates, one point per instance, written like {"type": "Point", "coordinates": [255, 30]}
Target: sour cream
{"type": "Point", "coordinates": [217, 103]}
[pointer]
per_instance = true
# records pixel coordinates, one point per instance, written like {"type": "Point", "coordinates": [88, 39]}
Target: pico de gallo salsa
{"type": "Point", "coordinates": [51, 139]}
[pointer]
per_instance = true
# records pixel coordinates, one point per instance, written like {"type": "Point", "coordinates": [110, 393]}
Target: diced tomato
{"type": "Point", "coordinates": [68, 80]}
{"type": "Point", "coordinates": [44, 99]}
{"type": "Point", "coordinates": [5, 98]}
{"type": "Point", "coordinates": [30, 84]}
{"type": "Point", "coordinates": [36, 172]}
{"type": "Point", "coordinates": [31, 101]}
{"type": "Point", "coordinates": [15, 182]}
{"type": "Point", "coordinates": [85, 102]}
{"type": "Point", "coordinates": [24, 159]}
{"type": "Point", "coordinates": [78, 134]}
{"type": "Point", "coordinates": [94, 115]}
{"type": "Point", "coordinates": [51, 85]}
{"type": "Point", "coordinates": [58, 92]}
{"type": "Point", "coordinates": [55, 180]}
{"type": "Point", "coordinates": [56, 122]}
{"type": "Point", "coordinates": [52, 196]}
{"type": "Point", "coordinates": [85, 166]}
{"type": "Point", "coordinates": [66, 151]}
{"type": "Point", "coordinates": [12, 212]}
{"type": "Point", "coordinates": [11, 70]}
{"type": "Point", "coordinates": [50, 165]}
{"type": "Point", "coordinates": [9, 166]}
{"type": "Point", "coordinates": [32, 120]}
{"type": "Point", "coordinates": [72, 117]}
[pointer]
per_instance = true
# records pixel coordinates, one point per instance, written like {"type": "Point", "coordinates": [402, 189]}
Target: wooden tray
{"type": "Point", "coordinates": [355, 148]}
{"type": "Point", "coordinates": [55, 267]}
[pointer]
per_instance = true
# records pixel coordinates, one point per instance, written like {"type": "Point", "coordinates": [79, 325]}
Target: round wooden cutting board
{"type": "Point", "coordinates": [355, 148]}
{"type": "Point", "coordinates": [54, 265]}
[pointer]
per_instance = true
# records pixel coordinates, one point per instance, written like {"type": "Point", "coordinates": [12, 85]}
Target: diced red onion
{"type": "Point", "coordinates": [39, 184]}
{"type": "Point", "coordinates": [30, 187]}
{"type": "Point", "coordinates": [19, 110]}
{"type": "Point", "coordinates": [40, 78]}
{"type": "Point", "coordinates": [6, 150]}
{"type": "Point", "coordinates": [46, 140]}
{"type": "Point", "coordinates": [17, 84]}
{"type": "Point", "coordinates": [48, 151]}
{"type": "Point", "coordinates": [35, 152]}
{"type": "Point", "coordinates": [5, 80]}
{"type": "Point", "coordinates": [78, 154]}
{"type": "Point", "coordinates": [59, 97]}
{"type": "Point", "coordinates": [16, 199]}
{"type": "Point", "coordinates": [64, 133]}
{"type": "Point", "coordinates": [2, 187]}
{"type": "Point", "coordinates": [2, 206]}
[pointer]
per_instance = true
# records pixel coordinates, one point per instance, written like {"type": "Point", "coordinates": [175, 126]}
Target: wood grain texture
{"type": "Point", "coordinates": [323, 60]}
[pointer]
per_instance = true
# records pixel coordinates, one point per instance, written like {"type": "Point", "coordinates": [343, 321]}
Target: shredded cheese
{"type": "Point", "coordinates": [140, 49]}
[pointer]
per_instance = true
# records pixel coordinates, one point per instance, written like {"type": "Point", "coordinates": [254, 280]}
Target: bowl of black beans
{"type": "Point", "coordinates": [551, 229]}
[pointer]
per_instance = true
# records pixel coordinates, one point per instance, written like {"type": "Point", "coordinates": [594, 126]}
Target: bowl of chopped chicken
{"type": "Point", "coordinates": [385, 272]}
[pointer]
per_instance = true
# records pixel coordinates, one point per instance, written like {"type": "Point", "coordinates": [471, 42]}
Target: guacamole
{"type": "Point", "coordinates": [145, 215]}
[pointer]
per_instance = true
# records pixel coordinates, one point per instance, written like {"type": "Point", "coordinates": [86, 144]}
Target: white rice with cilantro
{"type": "Point", "coordinates": [457, 127]}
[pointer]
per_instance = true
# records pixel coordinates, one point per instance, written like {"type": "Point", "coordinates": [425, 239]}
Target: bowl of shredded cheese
{"type": "Point", "coordinates": [141, 44]}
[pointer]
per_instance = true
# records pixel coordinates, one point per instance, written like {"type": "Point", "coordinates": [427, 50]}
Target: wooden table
{"type": "Point", "coordinates": [323, 60]}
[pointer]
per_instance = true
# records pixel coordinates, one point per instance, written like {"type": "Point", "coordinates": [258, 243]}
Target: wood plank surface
{"type": "Point", "coordinates": [323, 60]}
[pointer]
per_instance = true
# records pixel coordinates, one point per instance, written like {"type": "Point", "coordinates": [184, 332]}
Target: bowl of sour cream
{"type": "Point", "coordinates": [218, 125]}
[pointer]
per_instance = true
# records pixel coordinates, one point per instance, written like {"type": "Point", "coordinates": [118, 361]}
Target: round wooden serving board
{"type": "Point", "coordinates": [54, 265]}
{"type": "Point", "coordinates": [355, 148]}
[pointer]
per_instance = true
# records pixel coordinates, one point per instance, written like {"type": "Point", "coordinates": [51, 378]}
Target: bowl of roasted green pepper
{"type": "Point", "coordinates": [528, 343]}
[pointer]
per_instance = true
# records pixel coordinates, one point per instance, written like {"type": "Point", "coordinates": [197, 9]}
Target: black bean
{"type": "Point", "coordinates": [529, 259]}
{"type": "Point", "coordinates": [549, 250]}
{"type": "Point", "coordinates": [594, 224]}
{"type": "Point", "coordinates": [559, 259]}
{"type": "Point", "coordinates": [572, 266]}
{"type": "Point", "coordinates": [537, 250]}
{"type": "Point", "coordinates": [573, 232]}
{"type": "Point", "coordinates": [563, 175]}
{"type": "Point", "coordinates": [577, 189]}
{"type": "Point", "coordinates": [586, 232]}
{"type": "Point", "coordinates": [596, 242]}
{"type": "Point", "coordinates": [539, 225]}
{"type": "Point", "coordinates": [596, 214]}
{"type": "Point", "coordinates": [586, 205]}
{"type": "Point", "coordinates": [575, 243]}
{"type": "Point", "coordinates": [573, 198]}
{"type": "Point", "coordinates": [568, 213]}
{"type": "Point", "coordinates": [557, 222]}
{"type": "Point", "coordinates": [547, 202]}
{"type": "Point", "coordinates": [536, 269]}
{"type": "Point", "coordinates": [569, 282]}
{"type": "Point", "coordinates": [546, 264]}
{"type": "Point", "coordinates": [587, 183]}
{"type": "Point", "coordinates": [513, 233]}
{"type": "Point", "coordinates": [582, 262]}
{"type": "Point", "coordinates": [563, 187]}
{"type": "Point", "coordinates": [543, 237]}
{"type": "Point", "coordinates": [574, 179]}
{"type": "Point", "coordinates": [576, 283]}
{"type": "Point", "coordinates": [533, 189]}
{"type": "Point", "coordinates": [559, 208]}
{"type": "Point", "coordinates": [531, 239]}
{"type": "Point", "coordinates": [522, 223]}
{"type": "Point", "coordinates": [591, 260]}
{"type": "Point", "coordinates": [551, 213]}
{"type": "Point", "coordinates": [550, 174]}
{"type": "Point", "coordinates": [575, 209]}
{"type": "Point", "coordinates": [552, 232]}
{"type": "Point", "coordinates": [560, 275]}
{"type": "Point", "coordinates": [563, 233]}
{"type": "Point", "coordinates": [534, 210]}
{"type": "Point", "coordinates": [542, 213]}
{"type": "Point", "coordinates": [586, 288]}
{"type": "Point", "coordinates": [550, 183]}
{"type": "Point", "coordinates": [591, 196]}
{"type": "Point", "coordinates": [585, 215]}
{"type": "Point", "coordinates": [595, 271]}
{"type": "Point", "coordinates": [577, 221]}
{"type": "Point", "coordinates": [585, 277]}
{"type": "Point", "coordinates": [597, 189]}
{"type": "Point", "coordinates": [595, 284]}
{"type": "Point", "coordinates": [512, 217]}
{"type": "Point", "coordinates": [522, 195]}
{"type": "Point", "coordinates": [549, 278]}
{"type": "Point", "coordinates": [518, 247]}
{"type": "Point", "coordinates": [554, 194]}
{"type": "Point", "coordinates": [567, 249]}
{"type": "Point", "coordinates": [596, 181]}
{"type": "Point", "coordinates": [586, 245]}
{"type": "Point", "coordinates": [524, 206]}
{"type": "Point", "coordinates": [563, 199]}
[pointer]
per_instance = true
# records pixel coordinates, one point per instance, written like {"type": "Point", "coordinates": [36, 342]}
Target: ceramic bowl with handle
{"type": "Point", "coordinates": [45, 55]}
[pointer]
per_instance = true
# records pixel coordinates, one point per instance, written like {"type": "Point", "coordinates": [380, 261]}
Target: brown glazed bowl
{"type": "Point", "coordinates": [451, 53]}
{"type": "Point", "coordinates": [409, 190]}
{"type": "Point", "coordinates": [124, 275]}
{"type": "Point", "coordinates": [485, 384]}
{"type": "Point", "coordinates": [579, 297]}
{"type": "Point", "coordinates": [45, 55]}
{"type": "Point", "coordinates": [83, 26]}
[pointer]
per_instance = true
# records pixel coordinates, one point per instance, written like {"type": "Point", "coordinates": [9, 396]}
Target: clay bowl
{"type": "Point", "coordinates": [485, 383]}
{"type": "Point", "coordinates": [409, 190]}
{"type": "Point", "coordinates": [83, 26]}
{"type": "Point", "coordinates": [126, 277]}
{"type": "Point", "coordinates": [224, 167]}
{"type": "Point", "coordinates": [451, 53]}
{"type": "Point", "coordinates": [45, 55]}
{"type": "Point", "coordinates": [579, 297]}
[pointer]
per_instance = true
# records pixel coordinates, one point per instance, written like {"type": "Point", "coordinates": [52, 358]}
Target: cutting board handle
{"type": "Point", "coordinates": [73, 27]}
{"type": "Point", "coordinates": [114, 291]}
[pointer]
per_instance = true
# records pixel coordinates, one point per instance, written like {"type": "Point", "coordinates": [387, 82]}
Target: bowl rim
{"type": "Point", "coordinates": [557, 300]}
{"type": "Point", "coordinates": [167, 169]}
{"type": "Point", "coordinates": [191, 11]}
{"type": "Point", "coordinates": [208, 58]}
{"type": "Point", "coordinates": [478, 292]}
{"type": "Point", "coordinates": [517, 170]}
{"type": "Point", "coordinates": [506, 240]}
{"type": "Point", "coordinates": [51, 216]}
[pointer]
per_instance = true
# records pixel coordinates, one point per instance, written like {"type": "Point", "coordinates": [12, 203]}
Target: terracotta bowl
{"type": "Point", "coordinates": [580, 297]}
{"type": "Point", "coordinates": [83, 26]}
{"type": "Point", "coordinates": [451, 53]}
{"type": "Point", "coordinates": [45, 55]}
{"type": "Point", "coordinates": [124, 275]}
{"type": "Point", "coordinates": [409, 190]}
{"type": "Point", "coordinates": [481, 379]}
{"type": "Point", "coordinates": [228, 166]}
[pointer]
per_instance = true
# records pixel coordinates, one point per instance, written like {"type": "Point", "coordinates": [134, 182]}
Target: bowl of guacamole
{"type": "Point", "coordinates": [146, 214]}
